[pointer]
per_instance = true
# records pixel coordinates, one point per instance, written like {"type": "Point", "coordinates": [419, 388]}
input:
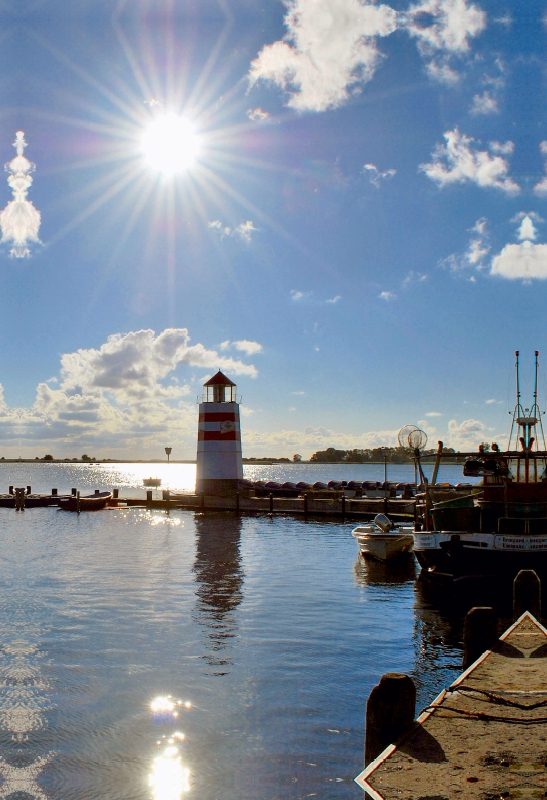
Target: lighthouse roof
{"type": "Point", "coordinates": [219, 380]}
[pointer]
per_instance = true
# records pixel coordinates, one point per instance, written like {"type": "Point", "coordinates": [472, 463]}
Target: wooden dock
{"type": "Point", "coordinates": [484, 737]}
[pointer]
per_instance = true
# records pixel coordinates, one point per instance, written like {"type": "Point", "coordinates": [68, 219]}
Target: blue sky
{"type": "Point", "coordinates": [358, 243]}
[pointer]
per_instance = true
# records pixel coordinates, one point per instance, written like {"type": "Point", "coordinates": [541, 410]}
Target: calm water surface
{"type": "Point", "coordinates": [263, 635]}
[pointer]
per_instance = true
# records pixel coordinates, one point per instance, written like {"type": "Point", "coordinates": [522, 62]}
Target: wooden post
{"type": "Point", "coordinates": [480, 632]}
{"type": "Point", "coordinates": [149, 497]}
{"type": "Point", "coordinates": [440, 446]}
{"type": "Point", "coordinates": [29, 490]}
{"type": "Point", "coordinates": [96, 491]}
{"type": "Point", "coordinates": [271, 503]}
{"type": "Point", "coordinates": [306, 503]}
{"type": "Point", "coordinates": [74, 492]}
{"type": "Point", "coordinates": [527, 594]}
{"type": "Point", "coordinates": [78, 504]}
{"type": "Point", "coordinates": [115, 494]}
{"type": "Point", "coordinates": [390, 712]}
{"type": "Point", "coordinates": [54, 492]}
{"type": "Point", "coordinates": [10, 490]}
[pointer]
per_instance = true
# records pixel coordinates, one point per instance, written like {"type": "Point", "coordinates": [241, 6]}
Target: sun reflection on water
{"type": "Point", "coordinates": [169, 778]}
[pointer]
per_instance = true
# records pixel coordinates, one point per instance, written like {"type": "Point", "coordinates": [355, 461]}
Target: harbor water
{"type": "Point", "coordinates": [146, 654]}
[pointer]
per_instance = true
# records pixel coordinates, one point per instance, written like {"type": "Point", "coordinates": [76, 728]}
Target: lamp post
{"type": "Point", "coordinates": [168, 452]}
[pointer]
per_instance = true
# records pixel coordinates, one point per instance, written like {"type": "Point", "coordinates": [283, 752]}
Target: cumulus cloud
{"type": "Point", "coordinates": [541, 188]}
{"type": "Point", "coordinates": [330, 48]}
{"type": "Point", "coordinates": [484, 104]}
{"type": "Point", "coordinates": [257, 115]}
{"type": "Point", "coordinates": [454, 23]}
{"type": "Point", "coordinates": [475, 255]}
{"type": "Point", "coordinates": [525, 261]}
{"type": "Point", "coordinates": [243, 231]}
{"type": "Point", "coordinates": [376, 177]}
{"type": "Point", "coordinates": [117, 395]}
{"type": "Point", "coordinates": [244, 345]}
{"type": "Point", "coordinates": [313, 438]}
{"type": "Point", "coordinates": [460, 161]}
{"type": "Point", "coordinates": [20, 220]}
{"type": "Point", "coordinates": [466, 435]}
{"type": "Point", "coordinates": [297, 295]}
{"type": "Point", "coordinates": [387, 296]}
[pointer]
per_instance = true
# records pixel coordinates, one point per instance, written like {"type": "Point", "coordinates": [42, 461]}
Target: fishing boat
{"type": "Point", "coordinates": [152, 483]}
{"type": "Point", "coordinates": [383, 540]}
{"type": "Point", "coordinates": [91, 502]}
{"type": "Point", "coordinates": [500, 526]}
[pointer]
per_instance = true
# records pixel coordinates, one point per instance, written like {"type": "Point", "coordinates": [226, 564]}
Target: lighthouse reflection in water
{"type": "Point", "coordinates": [154, 655]}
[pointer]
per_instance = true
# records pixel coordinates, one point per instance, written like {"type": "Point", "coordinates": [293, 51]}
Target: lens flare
{"type": "Point", "coordinates": [163, 704]}
{"type": "Point", "coordinates": [170, 144]}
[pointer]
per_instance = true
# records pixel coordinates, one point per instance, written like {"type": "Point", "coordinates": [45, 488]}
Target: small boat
{"type": "Point", "coordinates": [152, 483]}
{"type": "Point", "coordinates": [91, 502]}
{"type": "Point", "coordinates": [383, 540]}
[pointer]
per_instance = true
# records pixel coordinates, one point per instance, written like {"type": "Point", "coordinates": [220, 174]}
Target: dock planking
{"type": "Point", "coordinates": [483, 737]}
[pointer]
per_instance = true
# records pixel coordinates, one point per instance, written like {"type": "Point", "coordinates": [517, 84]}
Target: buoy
{"type": "Point", "coordinates": [219, 464]}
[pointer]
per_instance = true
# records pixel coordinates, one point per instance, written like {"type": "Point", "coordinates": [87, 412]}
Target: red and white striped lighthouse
{"type": "Point", "coordinates": [219, 465]}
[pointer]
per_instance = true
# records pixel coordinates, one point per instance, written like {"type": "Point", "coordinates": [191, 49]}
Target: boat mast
{"type": "Point", "coordinates": [535, 408]}
{"type": "Point", "coordinates": [518, 410]}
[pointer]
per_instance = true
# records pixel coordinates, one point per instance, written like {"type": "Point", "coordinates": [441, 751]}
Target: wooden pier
{"type": "Point", "coordinates": [484, 737]}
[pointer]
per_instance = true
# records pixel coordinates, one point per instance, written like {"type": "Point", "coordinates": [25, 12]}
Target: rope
{"type": "Point", "coordinates": [499, 700]}
{"type": "Point", "coordinates": [484, 717]}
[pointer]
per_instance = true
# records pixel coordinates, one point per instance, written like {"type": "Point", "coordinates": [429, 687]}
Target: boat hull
{"type": "Point", "coordinates": [93, 502]}
{"type": "Point", "coordinates": [383, 546]}
{"type": "Point", "coordinates": [459, 555]}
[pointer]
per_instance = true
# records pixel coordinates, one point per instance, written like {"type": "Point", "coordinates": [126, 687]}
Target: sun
{"type": "Point", "coordinates": [170, 144]}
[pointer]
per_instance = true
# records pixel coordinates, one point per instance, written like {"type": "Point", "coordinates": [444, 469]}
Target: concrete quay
{"type": "Point", "coordinates": [336, 506]}
{"type": "Point", "coordinates": [484, 737]}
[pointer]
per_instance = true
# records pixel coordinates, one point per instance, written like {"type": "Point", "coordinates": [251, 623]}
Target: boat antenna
{"type": "Point", "coordinates": [518, 409]}
{"type": "Point", "coordinates": [536, 410]}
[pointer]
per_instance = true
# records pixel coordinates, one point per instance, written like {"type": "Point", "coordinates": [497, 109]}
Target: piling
{"type": "Point", "coordinates": [29, 490]}
{"type": "Point", "coordinates": [115, 494]}
{"type": "Point", "coordinates": [10, 490]}
{"type": "Point", "coordinates": [149, 497]}
{"type": "Point", "coordinates": [480, 633]}
{"type": "Point", "coordinates": [271, 503]}
{"type": "Point", "coordinates": [54, 492]}
{"type": "Point", "coordinates": [78, 505]}
{"type": "Point", "coordinates": [527, 594]}
{"type": "Point", "coordinates": [390, 712]}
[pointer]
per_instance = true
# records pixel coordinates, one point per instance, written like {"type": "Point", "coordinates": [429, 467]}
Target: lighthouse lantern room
{"type": "Point", "coordinates": [219, 465]}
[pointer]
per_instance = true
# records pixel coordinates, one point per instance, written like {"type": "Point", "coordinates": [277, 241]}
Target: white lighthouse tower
{"type": "Point", "coordinates": [219, 465]}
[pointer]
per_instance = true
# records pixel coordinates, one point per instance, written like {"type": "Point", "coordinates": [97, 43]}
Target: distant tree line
{"type": "Point", "coordinates": [393, 455]}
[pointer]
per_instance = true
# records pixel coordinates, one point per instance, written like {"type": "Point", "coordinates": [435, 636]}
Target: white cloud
{"type": "Point", "coordinates": [541, 188]}
{"type": "Point", "coordinates": [257, 115]}
{"type": "Point", "coordinates": [387, 296]}
{"type": "Point", "coordinates": [297, 295]}
{"type": "Point", "coordinates": [484, 104]}
{"type": "Point", "coordinates": [492, 401]}
{"type": "Point", "coordinates": [525, 261]}
{"type": "Point", "coordinates": [330, 48]}
{"type": "Point", "coordinates": [243, 231]}
{"type": "Point", "coordinates": [299, 393]}
{"type": "Point", "coordinates": [116, 396]}
{"type": "Point", "coordinates": [334, 299]}
{"type": "Point", "coordinates": [20, 220]}
{"type": "Point", "coordinates": [459, 161]}
{"type": "Point", "coordinates": [466, 435]}
{"type": "Point", "coordinates": [433, 414]}
{"type": "Point", "coordinates": [475, 255]}
{"type": "Point", "coordinates": [376, 176]}
{"type": "Point", "coordinates": [413, 277]}
{"type": "Point", "coordinates": [244, 345]}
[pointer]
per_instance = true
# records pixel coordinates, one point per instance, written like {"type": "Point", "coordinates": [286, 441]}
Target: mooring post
{"type": "Point", "coordinates": [527, 594]}
{"type": "Point", "coordinates": [149, 497]}
{"type": "Point", "coordinates": [74, 492]}
{"type": "Point", "coordinates": [271, 503]}
{"type": "Point", "coordinates": [480, 632]}
{"type": "Point", "coordinates": [78, 504]}
{"type": "Point", "coordinates": [10, 490]}
{"type": "Point", "coordinates": [115, 494]}
{"type": "Point", "coordinates": [390, 711]}
{"type": "Point", "coordinates": [29, 490]}
{"type": "Point", "coordinates": [54, 492]}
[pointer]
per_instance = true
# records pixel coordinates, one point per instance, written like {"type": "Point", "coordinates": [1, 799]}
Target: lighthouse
{"type": "Point", "coordinates": [219, 465]}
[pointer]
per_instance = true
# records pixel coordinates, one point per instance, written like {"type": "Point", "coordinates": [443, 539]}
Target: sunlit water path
{"type": "Point", "coordinates": [144, 654]}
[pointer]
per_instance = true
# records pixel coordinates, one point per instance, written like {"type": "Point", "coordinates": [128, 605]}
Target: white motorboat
{"type": "Point", "coordinates": [383, 540]}
{"type": "Point", "coordinates": [152, 483]}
